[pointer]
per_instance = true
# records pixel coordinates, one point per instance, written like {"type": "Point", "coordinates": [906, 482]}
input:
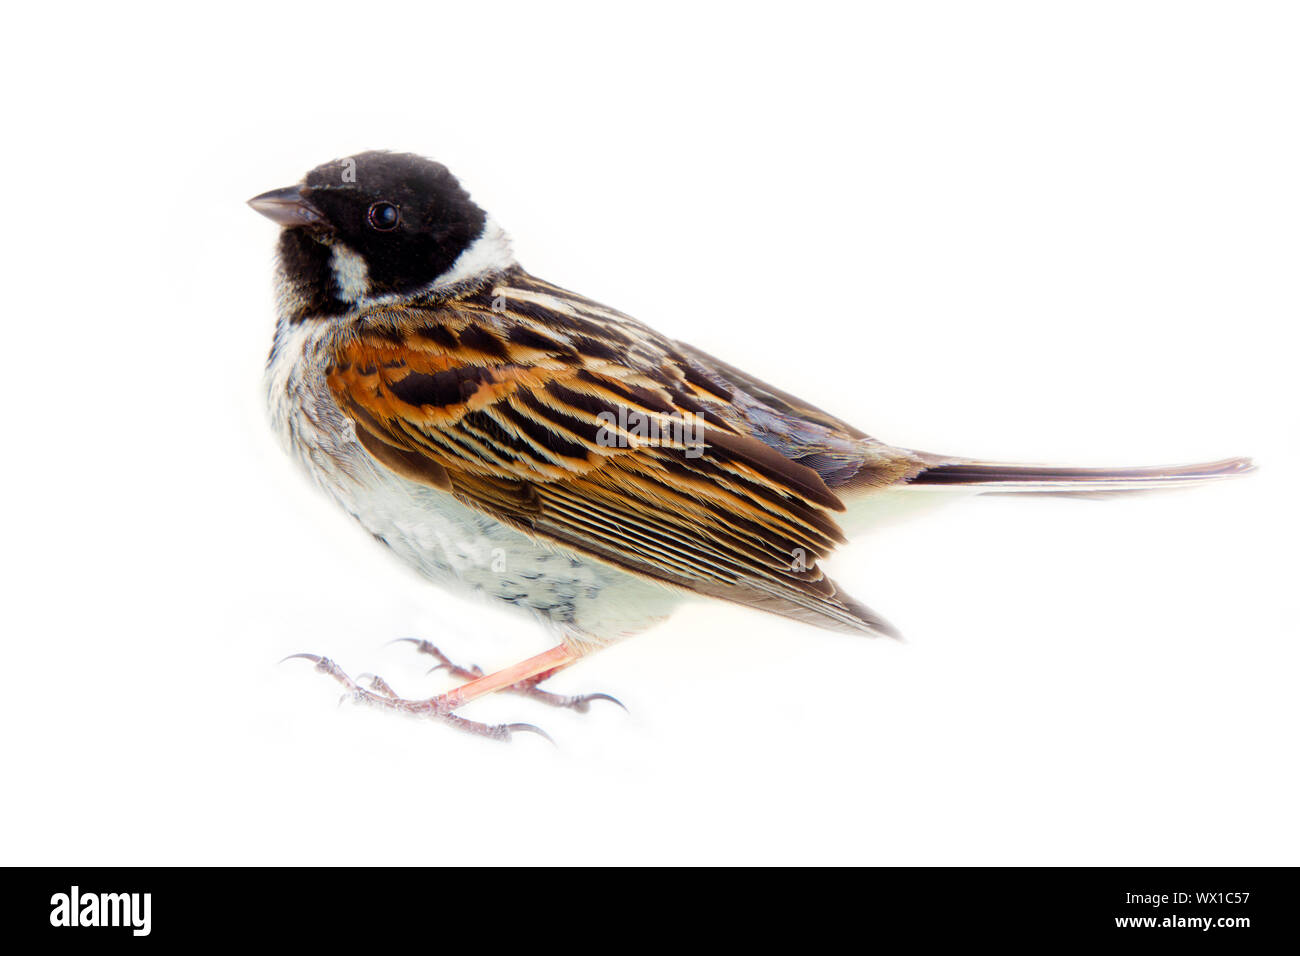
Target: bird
{"type": "Point", "coordinates": [511, 438]}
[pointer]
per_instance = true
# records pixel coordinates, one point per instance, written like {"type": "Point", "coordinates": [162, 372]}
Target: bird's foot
{"type": "Point", "coordinates": [380, 694]}
{"type": "Point", "coordinates": [581, 703]}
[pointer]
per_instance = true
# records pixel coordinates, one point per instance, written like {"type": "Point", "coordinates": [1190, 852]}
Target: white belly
{"type": "Point", "coordinates": [589, 602]}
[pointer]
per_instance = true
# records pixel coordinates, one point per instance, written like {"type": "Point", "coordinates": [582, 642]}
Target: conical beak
{"type": "Point", "coordinates": [287, 207]}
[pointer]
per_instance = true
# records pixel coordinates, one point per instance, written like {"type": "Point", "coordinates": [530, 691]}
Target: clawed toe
{"type": "Point", "coordinates": [444, 662]}
{"type": "Point", "coordinates": [582, 703]}
{"type": "Point", "coordinates": [378, 684]}
{"type": "Point", "coordinates": [380, 693]}
{"type": "Point", "coordinates": [314, 658]}
{"type": "Point", "coordinates": [527, 729]}
{"type": "Point", "coordinates": [501, 732]}
{"type": "Point", "coordinates": [373, 689]}
{"type": "Point", "coordinates": [579, 703]}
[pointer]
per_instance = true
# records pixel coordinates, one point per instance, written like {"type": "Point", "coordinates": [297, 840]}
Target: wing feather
{"type": "Point", "coordinates": [579, 426]}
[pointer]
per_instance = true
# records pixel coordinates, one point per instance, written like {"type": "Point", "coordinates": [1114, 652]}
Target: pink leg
{"type": "Point", "coordinates": [527, 688]}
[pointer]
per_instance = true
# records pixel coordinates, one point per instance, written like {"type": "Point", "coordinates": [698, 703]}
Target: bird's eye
{"type": "Point", "coordinates": [383, 216]}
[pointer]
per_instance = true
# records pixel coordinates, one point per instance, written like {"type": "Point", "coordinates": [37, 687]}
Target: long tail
{"type": "Point", "coordinates": [987, 477]}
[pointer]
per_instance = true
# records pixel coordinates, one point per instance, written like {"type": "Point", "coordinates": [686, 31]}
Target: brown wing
{"type": "Point", "coordinates": [575, 424]}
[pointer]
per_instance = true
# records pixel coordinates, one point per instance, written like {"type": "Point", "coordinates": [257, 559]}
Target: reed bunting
{"type": "Point", "coordinates": [509, 437]}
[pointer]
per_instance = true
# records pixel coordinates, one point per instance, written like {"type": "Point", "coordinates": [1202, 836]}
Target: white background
{"type": "Point", "coordinates": [1026, 231]}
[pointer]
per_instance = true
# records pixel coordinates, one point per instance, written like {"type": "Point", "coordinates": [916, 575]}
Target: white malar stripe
{"type": "Point", "coordinates": [351, 274]}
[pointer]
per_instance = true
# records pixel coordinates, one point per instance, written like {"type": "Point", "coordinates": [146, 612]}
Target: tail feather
{"type": "Point", "coordinates": [1001, 478]}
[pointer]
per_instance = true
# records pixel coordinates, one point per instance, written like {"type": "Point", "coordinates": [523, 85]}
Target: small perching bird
{"type": "Point", "coordinates": [507, 436]}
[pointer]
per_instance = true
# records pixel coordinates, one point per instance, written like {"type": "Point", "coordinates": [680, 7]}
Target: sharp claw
{"type": "Point", "coordinates": [527, 729]}
{"type": "Point", "coordinates": [381, 693]}
{"type": "Point", "coordinates": [585, 702]}
{"type": "Point", "coordinates": [314, 658]}
{"type": "Point", "coordinates": [421, 646]}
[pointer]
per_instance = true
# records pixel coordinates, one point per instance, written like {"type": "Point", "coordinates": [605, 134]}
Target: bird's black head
{"type": "Point", "coordinates": [372, 224]}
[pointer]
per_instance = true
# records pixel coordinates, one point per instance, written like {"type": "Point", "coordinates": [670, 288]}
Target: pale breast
{"type": "Point", "coordinates": [450, 543]}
